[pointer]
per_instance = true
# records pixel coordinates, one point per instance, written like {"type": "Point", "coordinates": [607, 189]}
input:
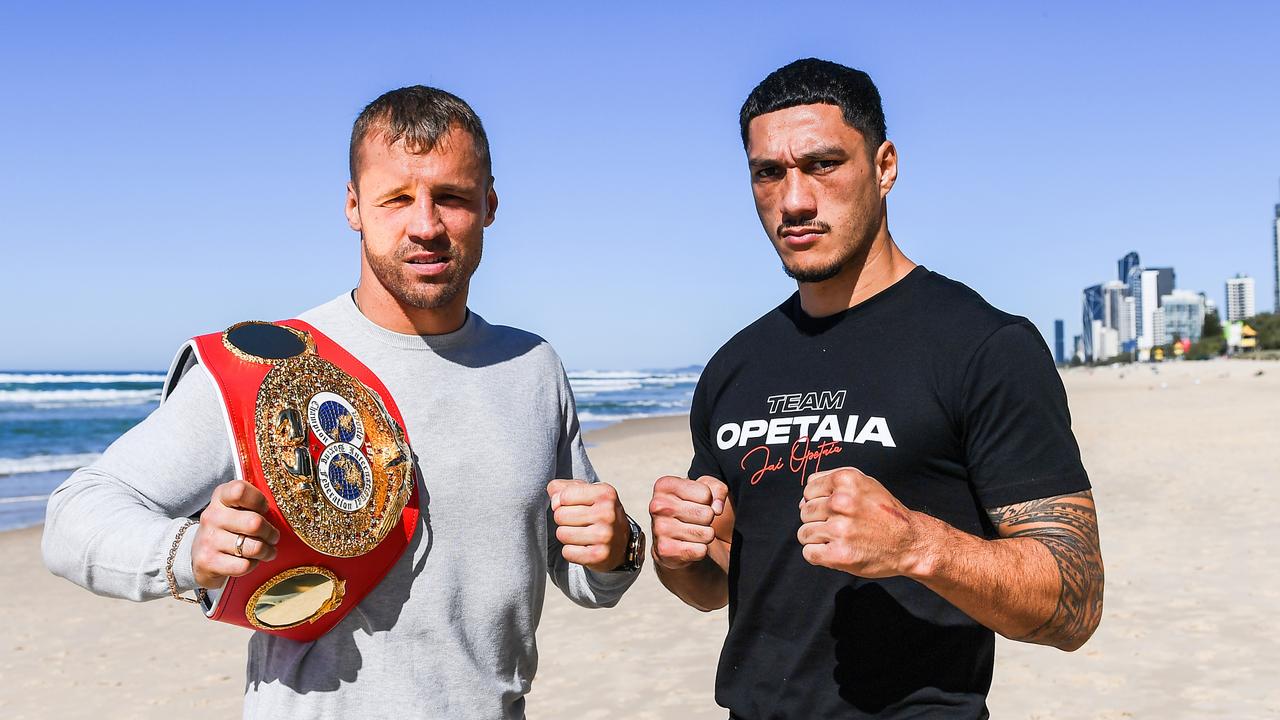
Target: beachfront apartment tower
{"type": "Point", "coordinates": [1240, 298]}
{"type": "Point", "coordinates": [1130, 261]}
{"type": "Point", "coordinates": [1210, 307]}
{"type": "Point", "coordinates": [1091, 312]}
{"type": "Point", "coordinates": [1183, 315]}
{"type": "Point", "coordinates": [1143, 285]}
{"type": "Point", "coordinates": [1165, 282]}
{"type": "Point", "coordinates": [1059, 351]}
{"type": "Point", "coordinates": [1113, 292]}
{"type": "Point", "coordinates": [1275, 260]}
{"type": "Point", "coordinates": [1128, 325]}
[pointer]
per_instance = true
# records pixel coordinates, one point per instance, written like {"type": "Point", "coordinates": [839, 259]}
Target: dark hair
{"type": "Point", "coordinates": [812, 81]}
{"type": "Point", "coordinates": [419, 115]}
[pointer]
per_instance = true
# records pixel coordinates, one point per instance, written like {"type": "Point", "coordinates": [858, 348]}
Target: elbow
{"type": "Point", "coordinates": [596, 602]}
{"type": "Point", "coordinates": [706, 608]}
{"type": "Point", "coordinates": [1086, 625]}
{"type": "Point", "coordinates": [1075, 642]}
{"type": "Point", "coordinates": [53, 547]}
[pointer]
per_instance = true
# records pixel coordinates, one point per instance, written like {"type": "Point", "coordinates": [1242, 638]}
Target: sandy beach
{"type": "Point", "coordinates": [1185, 461]}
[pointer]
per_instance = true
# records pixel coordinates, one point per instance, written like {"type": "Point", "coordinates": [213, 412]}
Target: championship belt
{"type": "Point", "coordinates": [320, 436]}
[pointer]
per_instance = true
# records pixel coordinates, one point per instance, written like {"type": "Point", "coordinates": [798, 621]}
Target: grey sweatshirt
{"type": "Point", "coordinates": [449, 633]}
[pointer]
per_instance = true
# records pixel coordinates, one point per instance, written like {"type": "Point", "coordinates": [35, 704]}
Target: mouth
{"type": "Point", "coordinates": [801, 238]}
{"type": "Point", "coordinates": [427, 264]}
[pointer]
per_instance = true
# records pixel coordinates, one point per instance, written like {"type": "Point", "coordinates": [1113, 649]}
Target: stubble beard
{"type": "Point", "coordinates": [848, 254]}
{"type": "Point", "coordinates": [413, 292]}
{"type": "Point", "coordinates": [818, 274]}
{"type": "Point", "coordinates": [852, 252]}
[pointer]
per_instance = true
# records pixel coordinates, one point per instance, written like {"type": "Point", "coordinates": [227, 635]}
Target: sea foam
{"type": "Point", "coordinates": [46, 463]}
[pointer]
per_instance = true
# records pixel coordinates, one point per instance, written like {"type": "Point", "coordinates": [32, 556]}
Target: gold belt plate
{"type": "Point", "coordinates": [346, 501]}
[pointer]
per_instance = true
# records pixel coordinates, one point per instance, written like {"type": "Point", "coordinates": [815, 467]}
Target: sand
{"type": "Point", "coordinates": [1186, 467]}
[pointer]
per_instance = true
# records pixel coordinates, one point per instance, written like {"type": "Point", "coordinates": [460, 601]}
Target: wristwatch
{"type": "Point", "coordinates": [634, 558]}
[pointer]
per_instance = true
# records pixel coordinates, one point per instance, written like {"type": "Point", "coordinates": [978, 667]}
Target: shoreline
{"type": "Point", "coordinates": [603, 433]}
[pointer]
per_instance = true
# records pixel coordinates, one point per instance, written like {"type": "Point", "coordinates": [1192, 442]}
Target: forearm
{"type": "Point", "coordinates": [1043, 586]}
{"type": "Point", "coordinates": [110, 526]}
{"type": "Point", "coordinates": [588, 588]}
{"type": "Point", "coordinates": [101, 537]}
{"type": "Point", "coordinates": [704, 584]}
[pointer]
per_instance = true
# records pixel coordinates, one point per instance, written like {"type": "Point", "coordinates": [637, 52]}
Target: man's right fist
{"type": "Point", "coordinates": [237, 508]}
{"type": "Point", "coordinates": [682, 512]}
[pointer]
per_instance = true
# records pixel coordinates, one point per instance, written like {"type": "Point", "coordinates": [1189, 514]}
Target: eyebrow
{"type": "Point", "coordinates": [393, 193]}
{"type": "Point", "coordinates": [823, 152]}
{"type": "Point", "coordinates": [443, 188]}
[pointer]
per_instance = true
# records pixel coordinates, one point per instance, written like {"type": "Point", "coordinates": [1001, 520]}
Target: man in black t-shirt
{"type": "Point", "coordinates": [884, 471]}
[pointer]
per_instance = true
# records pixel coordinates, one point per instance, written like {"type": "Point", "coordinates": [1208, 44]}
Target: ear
{"type": "Point", "coordinates": [491, 200]}
{"type": "Point", "coordinates": [353, 208]}
{"type": "Point", "coordinates": [886, 167]}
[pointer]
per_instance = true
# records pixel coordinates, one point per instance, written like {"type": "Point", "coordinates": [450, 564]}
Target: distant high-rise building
{"type": "Point", "coordinates": [1159, 333]}
{"type": "Point", "coordinates": [1128, 325]}
{"type": "Point", "coordinates": [1240, 299]}
{"type": "Point", "coordinates": [1165, 283]}
{"type": "Point", "coordinates": [1127, 264]}
{"type": "Point", "coordinates": [1210, 307]}
{"type": "Point", "coordinates": [1112, 299]}
{"type": "Point", "coordinates": [1091, 310]}
{"type": "Point", "coordinates": [1142, 288]}
{"type": "Point", "coordinates": [1059, 352]}
{"type": "Point", "coordinates": [1275, 260]}
{"type": "Point", "coordinates": [1106, 343]}
{"type": "Point", "coordinates": [1183, 315]}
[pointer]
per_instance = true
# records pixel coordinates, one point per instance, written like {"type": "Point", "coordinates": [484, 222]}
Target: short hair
{"type": "Point", "coordinates": [812, 81]}
{"type": "Point", "coordinates": [419, 115]}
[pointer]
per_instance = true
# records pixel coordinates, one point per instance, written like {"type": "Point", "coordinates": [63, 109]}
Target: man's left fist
{"type": "Point", "coordinates": [591, 523]}
{"type": "Point", "coordinates": [852, 523]}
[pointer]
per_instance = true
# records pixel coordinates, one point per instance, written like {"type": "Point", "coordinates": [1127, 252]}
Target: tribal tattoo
{"type": "Point", "coordinates": [1068, 526]}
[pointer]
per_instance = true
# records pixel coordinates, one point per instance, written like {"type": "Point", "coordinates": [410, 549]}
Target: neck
{"type": "Point", "coordinates": [869, 272]}
{"type": "Point", "coordinates": [383, 310]}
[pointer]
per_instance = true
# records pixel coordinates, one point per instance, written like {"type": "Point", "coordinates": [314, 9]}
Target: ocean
{"type": "Point", "coordinates": [54, 422]}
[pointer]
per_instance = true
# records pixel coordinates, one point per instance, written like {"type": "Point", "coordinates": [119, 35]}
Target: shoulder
{"type": "Point", "coordinates": [960, 321]}
{"type": "Point", "coordinates": [519, 345]}
{"type": "Point", "coordinates": [950, 300]}
{"type": "Point", "coordinates": [747, 341]}
{"type": "Point", "coordinates": [329, 314]}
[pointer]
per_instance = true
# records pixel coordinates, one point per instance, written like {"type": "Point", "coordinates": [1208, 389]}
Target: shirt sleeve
{"type": "Point", "coordinates": [704, 458]}
{"type": "Point", "coordinates": [1017, 428]}
{"type": "Point", "coordinates": [583, 586]}
{"type": "Point", "coordinates": [109, 526]}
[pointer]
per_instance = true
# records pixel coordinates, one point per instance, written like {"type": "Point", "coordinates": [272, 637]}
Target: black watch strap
{"type": "Point", "coordinates": [634, 558]}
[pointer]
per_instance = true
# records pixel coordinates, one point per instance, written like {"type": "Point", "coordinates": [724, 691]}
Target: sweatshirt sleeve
{"type": "Point", "coordinates": [585, 587]}
{"type": "Point", "coordinates": [109, 527]}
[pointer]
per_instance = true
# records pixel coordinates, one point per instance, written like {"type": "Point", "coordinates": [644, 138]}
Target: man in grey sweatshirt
{"type": "Point", "coordinates": [508, 495]}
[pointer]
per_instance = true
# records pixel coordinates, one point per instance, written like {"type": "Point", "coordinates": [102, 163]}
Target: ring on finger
{"type": "Point", "coordinates": [240, 544]}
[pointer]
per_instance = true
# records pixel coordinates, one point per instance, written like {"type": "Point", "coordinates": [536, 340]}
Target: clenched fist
{"type": "Point", "coordinates": [852, 523]}
{"type": "Point", "coordinates": [236, 508]}
{"type": "Point", "coordinates": [682, 512]}
{"type": "Point", "coordinates": [591, 523]}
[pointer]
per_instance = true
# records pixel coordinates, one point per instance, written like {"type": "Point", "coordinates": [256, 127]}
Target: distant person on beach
{"type": "Point", "coordinates": [884, 470]}
{"type": "Point", "coordinates": [508, 495]}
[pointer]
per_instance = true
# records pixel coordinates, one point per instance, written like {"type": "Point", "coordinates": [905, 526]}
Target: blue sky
{"type": "Point", "coordinates": [171, 170]}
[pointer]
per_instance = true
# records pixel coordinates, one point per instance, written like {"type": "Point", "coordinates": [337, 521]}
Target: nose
{"type": "Point", "coordinates": [799, 201]}
{"type": "Point", "coordinates": [426, 222]}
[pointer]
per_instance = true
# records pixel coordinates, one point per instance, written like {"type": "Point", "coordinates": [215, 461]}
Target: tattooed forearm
{"type": "Point", "coordinates": [1067, 525]}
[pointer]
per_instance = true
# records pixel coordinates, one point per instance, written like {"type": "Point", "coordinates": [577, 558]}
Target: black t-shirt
{"type": "Point", "coordinates": [954, 407]}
